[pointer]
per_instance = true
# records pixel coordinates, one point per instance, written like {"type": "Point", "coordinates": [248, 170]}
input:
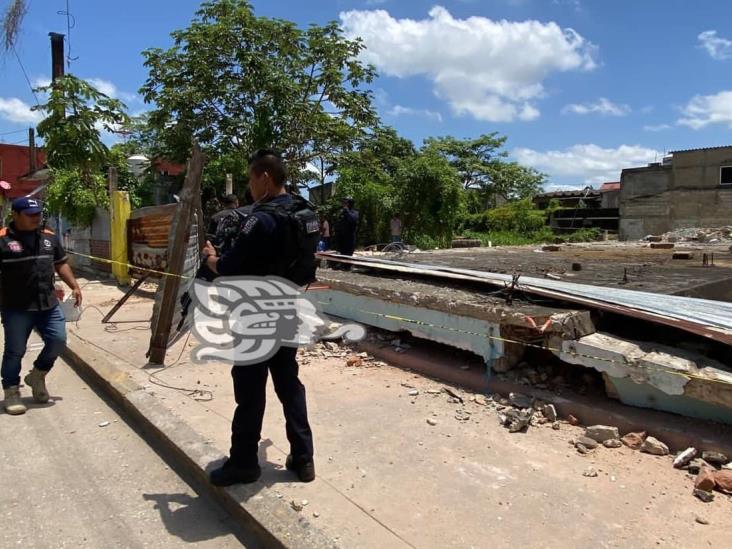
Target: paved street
{"type": "Point", "coordinates": [69, 479]}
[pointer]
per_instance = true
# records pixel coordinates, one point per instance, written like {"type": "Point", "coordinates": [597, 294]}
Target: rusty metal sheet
{"type": "Point", "coordinates": [708, 318]}
{"type": "Point", "coordinates": [147, 236]}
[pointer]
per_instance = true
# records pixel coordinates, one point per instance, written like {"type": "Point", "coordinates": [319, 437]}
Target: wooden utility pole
{"type": "Point", "coordinates": [57, 55]}
{"type": "Point", "coordinates": [229, 184]}
{"type": "Point", "coordinates": [32, 150]}
{"type": "Point", "coordinates": [112, 179]}
{"type": "Point", "coordinates": [177, 246]}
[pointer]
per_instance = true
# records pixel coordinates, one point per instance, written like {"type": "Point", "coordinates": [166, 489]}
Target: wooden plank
{"type": "Point", "coordinates": [176, 258]}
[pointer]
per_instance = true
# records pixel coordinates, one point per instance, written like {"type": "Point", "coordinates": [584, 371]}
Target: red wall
{"type": "Point", "coordinates": [13, 164]}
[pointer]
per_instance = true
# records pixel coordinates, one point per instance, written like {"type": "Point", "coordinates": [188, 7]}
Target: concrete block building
{"type": "Point", "coordinates": [689, 188]}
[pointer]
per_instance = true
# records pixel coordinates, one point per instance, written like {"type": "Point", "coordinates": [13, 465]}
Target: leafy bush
{"type": "Point", "coordinates": [584, 235]}
{"type": "Point", "coordinates": [76, 197]}
{"type": "Point", "coordinates": [511, 238]}
{"type": "Point", "coordinates": [426, 242]}
{"type": "Point", "coordinates": [519, 216]}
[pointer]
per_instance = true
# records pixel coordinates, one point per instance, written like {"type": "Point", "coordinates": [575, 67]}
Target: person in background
{"type": "Point", "coordinates": [395, 225]}
{"type": "Point", "coordinates": [231, 202]}
{"type": "Point", "coordinates": [346, 229]}
{"type": "Point", "coordinates": [325, 233]}
{"type": "Point", "coordinates": [29, 258]}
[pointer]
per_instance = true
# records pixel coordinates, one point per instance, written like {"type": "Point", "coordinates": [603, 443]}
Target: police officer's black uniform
{"type": "Point", "coordinates": [265, 246]}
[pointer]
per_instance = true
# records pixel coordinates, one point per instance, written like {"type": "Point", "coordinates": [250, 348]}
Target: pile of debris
{"type": "Point", "coordinates": [708, 235]}
{"type": "Point", "coordinates": [329, 349]}
{"type": "Point", "coordinates": [713, 471]}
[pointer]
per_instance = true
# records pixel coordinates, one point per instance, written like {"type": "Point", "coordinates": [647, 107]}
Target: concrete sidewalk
{"type": "Point", "coordinates": [389, 478]}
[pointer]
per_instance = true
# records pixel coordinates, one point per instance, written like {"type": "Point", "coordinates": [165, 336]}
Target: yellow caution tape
{"type": "Point", "coordinates": [688, 376]}
{"type": "Point", "coordinates": [131, 266]}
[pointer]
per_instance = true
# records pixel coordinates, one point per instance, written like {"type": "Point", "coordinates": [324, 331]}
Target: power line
{"type": "Point", "coordinates": [26, 75]}
{"type": "Point", "coordinates": [70, 24]}
{"type": "Point", "coordinates": [12, 132]}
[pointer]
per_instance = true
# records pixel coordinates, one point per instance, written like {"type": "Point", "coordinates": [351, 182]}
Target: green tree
{"type": "Point", "coordinates": [76, 113]}
{"type": "Point", "coordinates": [485, 174]}
{"type": "Point", "coordinates": [512, 181]}
{"type": "Point", "coordinates": [429, 197]}
{"type": "Point", "coordinates": [370, 175]}
{"type": "Point", "coordinates": [237, 82]}
{"type": "Point", "coordinates": [474, 159]}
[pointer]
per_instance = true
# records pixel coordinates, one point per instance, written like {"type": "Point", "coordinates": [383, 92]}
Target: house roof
{"type": "Point", "coordinates": [702, 149]}
{"type": "Point", "coordinates": [610, 186]}
{"type": "Point", "coordinates": [579, 193]}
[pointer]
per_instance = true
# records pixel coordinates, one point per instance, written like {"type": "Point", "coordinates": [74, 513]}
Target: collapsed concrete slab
{"type": "Point", "coordinates": [468, 319]}
{"type": "Point", "coordinates": [655, 376]}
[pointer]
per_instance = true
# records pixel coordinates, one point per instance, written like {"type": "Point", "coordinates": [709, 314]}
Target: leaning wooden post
{"type": "Point", "coordinates": [176, 257]}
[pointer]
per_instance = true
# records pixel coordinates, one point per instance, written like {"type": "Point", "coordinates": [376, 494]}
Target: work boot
{"type": "Point", "coordinates": [227, 475]}
{"type": "Point", "coordinates": [13, 405]}
{"type": "Point", "coordinates": [305, 469]}
{"type": "Point", "coordinates": [36, 380]}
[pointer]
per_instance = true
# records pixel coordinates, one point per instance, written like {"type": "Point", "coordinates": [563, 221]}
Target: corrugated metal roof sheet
{"type": "Point", "coordinates": [712, 319]}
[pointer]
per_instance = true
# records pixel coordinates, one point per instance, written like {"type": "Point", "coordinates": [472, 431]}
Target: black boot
{"type": "Point", "coordinates": [305, 469]}
{"type": "Point", "coordinates": [227, 475]}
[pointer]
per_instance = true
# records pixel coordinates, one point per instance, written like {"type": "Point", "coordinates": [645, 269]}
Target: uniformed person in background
{"type": "Point", "coordinates": [266, 246]}
{"type": "Point", "coordinates": [346, 229]}
{"type": "Point", "coordinates": [231, 203]}
{"type": "Point", "coordinates": [29, 256]}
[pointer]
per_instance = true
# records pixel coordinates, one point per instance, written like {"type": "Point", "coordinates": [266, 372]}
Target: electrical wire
{"type": "Point", "coordinates": [25, 73]}
{"type": "Point", "coordinates": [12, 132]}
{"type": "Point", "coordinates": [70, 24]}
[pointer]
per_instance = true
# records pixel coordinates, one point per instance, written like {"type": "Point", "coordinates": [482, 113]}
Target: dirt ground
{"type": "Point", "coordinates": [389, 478]}
{"type": "Point", "coordinates": [632, 266]}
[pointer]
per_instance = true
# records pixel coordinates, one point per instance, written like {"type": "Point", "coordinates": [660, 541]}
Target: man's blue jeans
{"type": "Point", "coordinates": [17, 326]}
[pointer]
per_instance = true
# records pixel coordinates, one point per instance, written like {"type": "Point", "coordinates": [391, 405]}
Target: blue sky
{"type": "Point", "coordinates": [582, 88]}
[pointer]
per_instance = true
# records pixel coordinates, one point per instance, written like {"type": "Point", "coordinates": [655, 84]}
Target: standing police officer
{"type": "Point", "coordinates": [266, 246]}
{"type": "Point", "coordinates": [29, 256]}
{"type": "Point", "coordinates": [346, 229]}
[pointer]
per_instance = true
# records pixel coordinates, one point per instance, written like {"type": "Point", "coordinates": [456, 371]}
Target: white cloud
{"type": "Point", "coordinates": [41, 82]}
{"type": "Point", "coordinates": [703, 110]}
{"type": "Point", "coordinates": [491, 70]}
{"type": "Point", "coordinates": [15, 110]}
{"type": "Point", "coordinates": [398, 110]}
{"type": "Point", "coordinates": [592, 163]}
{"type": "Point", "coordinates": [602, 106]}
{"type": "Point", "coordinates": [719, 48]}
{"type": "Point", "coordinates": [657, 128]}
{"type": "Point", "coordinates": [104, 86]}
{"type": "Point", "coordinates": [108, 88]}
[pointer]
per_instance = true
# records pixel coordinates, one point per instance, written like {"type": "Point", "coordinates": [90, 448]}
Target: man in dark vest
{"type": "Point", "coordinates": [29, 258]}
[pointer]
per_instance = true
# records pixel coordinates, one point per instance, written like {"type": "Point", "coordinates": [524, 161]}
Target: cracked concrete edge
{"type": "Point", "coordinates": [269, 518]}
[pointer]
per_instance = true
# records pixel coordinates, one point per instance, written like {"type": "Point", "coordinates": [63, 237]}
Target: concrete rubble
{"type": "Point", "coordinates": [654, 446]}
{"type": "Point", "coordinates": [634, 441]}
{"type": "Point", "coordinates": [601, 433]}
{"type": "Point", "coordinates": [685, 457]}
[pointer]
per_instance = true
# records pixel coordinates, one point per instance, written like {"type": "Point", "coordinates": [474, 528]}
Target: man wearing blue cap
{"type": "Point", "coordinates": [29, 256]}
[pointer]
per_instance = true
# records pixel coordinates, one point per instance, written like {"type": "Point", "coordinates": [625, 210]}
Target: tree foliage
{"type": "Point", "coordinates": [388, 176]}
{"type": "Point", "coordinates": [11, 23]}
{"type": "Point", "coordinates": [75, 195]}
{"type": "Point", "coordinates": [485, 174]}
{"type": "Point", "coordinates": [76, 113]}
{"type": "Point", "coordinates": [237, 82]}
